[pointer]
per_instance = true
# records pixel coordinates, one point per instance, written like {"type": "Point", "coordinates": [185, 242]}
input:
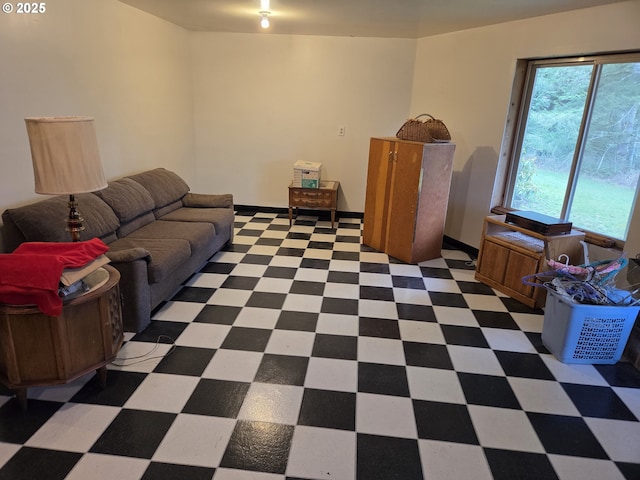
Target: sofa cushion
{"type": "Point", "coordinates": [221, 218]}
{"type": "Point", "coordinates": [199, 235]}
{"type": "Point", "coordinates": [135, 224]}
{"type": "Point", "coordinates": [164, 186]}
{"type": "Point", "coordinates": [159, 212]}
{"type": "Point", "coordinates": [44, 221]}
{"type": "Point", "coordinates": [165, 254]}
{"type": "Point", "coordinates": [127, 198]}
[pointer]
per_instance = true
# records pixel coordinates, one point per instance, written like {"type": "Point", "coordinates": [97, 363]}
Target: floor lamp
{"type": "Point", "coordinates": [66, 161]}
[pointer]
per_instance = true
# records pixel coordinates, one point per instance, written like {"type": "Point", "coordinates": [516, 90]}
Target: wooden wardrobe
{"type": "Point", "coordinates": [406, 199]}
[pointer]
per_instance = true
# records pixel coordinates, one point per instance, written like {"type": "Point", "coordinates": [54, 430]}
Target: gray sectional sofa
{"type": "Point", "coordinates": [158, 233]}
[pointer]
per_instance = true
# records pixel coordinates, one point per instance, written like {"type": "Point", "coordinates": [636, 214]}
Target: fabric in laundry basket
{"type": "Point", "coordinates": [580, 333]}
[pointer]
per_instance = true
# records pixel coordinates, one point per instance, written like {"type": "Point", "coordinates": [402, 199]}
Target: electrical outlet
{"type": "Point", "coordinates": [341, 131]}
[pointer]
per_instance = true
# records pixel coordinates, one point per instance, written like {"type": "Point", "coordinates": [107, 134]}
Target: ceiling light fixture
{"type": "Point", "coordinates": [264, 13]}
{"type": "Point", "coordinates": [264, 22]}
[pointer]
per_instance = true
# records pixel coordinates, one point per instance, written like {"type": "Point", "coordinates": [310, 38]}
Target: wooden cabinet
{"type": "Point", "coordinates": [508, 253]}
{"type": "Point", "coordinates": [39, 350]}
{"type": "Point", "coordinates": [406, 199]}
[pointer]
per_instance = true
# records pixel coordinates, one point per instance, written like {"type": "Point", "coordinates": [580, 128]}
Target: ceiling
{"type": "Point", "coordinates": [356, 18]}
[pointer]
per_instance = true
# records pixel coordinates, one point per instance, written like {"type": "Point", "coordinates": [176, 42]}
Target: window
{"type": "Point", "coordinates": [576, 151]}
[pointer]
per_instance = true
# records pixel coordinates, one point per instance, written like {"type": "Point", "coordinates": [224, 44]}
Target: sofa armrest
{"type": "Point", "coordinates": [128, 255]}
{"type": "Point", "coordinates": [203, 200]}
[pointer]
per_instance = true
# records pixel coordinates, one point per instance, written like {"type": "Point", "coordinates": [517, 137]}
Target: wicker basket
{"type": "Point", "coordinates": [428, 131]}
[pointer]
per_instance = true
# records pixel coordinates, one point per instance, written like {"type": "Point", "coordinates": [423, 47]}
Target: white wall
{"type": "Point", "coordinates": [465, 78]}
{"type": "Point", "coordinates": [129, 70]}
{"type": "Point", "coordinates": [262, 102]}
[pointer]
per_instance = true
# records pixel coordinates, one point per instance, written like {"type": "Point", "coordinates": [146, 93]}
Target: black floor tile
{"type": "Point", "coordinates": [280, 272]}
{"type": "Point", "coordinates": [383, 379]}
{"type": "Point", "coordinates": [566, 435]}
{"type": "Point", "coordinates": [420, 313]}
{"type": "Point", "coordinates": [495, 320]}
{"type": "Point", "coordinates": [620, 375]}
{"type": "Point", "coordinates": [526, 365]}
{"type": "Point", "coordinates": [35, 463]}
{"type": "Point", "coordinates": [218, 314]}
{"type": "Point", "coordinates": [161, 332]}
{"type": "Point", "coordinates": [290, 252]}
{"type": "Point", "coordinates": [441, 273]}
{"type": "Point", "coordinates": [245, 338]}
{"type": "Point", "coordinates": [465, 336]}
{"type": "Point", "coordinates": [193, 294]}
{"type": "Point", "coordinates": [475, 288]}
{"type": "Point", "coordinates": [120, 386]}
{"type": "Point", "coordinates": [259, 446]}
{"type": "Point", "coordinates": [427, 355]}
{"type": "Point", "coordinates": [488, 390]}
{"type": "Point", "coordinates": [282, 370]}
{"type": "Point", "coordinates": [185, 361]}
{"type": "Point", "coordinates": [217, 398]}
{"type": "Point", "coordinates": [367, 267]}
{"type": "Point", "coordinates": [320, 245]}
{"type": "Point", "coordinates": [300, 321]}
{"type": "Point", "coordinates": [344, 277]}
{"type": "Point", "coordinates": [511, 465]}
{"type": "Point", "coordinates": [218, 267]}
{"type": "Point", "coordinates": [414, 283]}
{"type": "Point", "coordinates": [343, 306]}
{"type": "Point", "coordinates": [444, 299]}
{"type": "Point", "coordinates": [240, 283]}
{"type": "Point", "coordinates": [134, 433]}
{"type": "Point", "coordinates": [446, 422]}
{"type": "Point", "coordinates": [350, 256]}
{"type": "Point", "coordinates": [314, 263]}
{"type": "Point", "coordinates": [385, 458]}
{"type": "Point", "coordinates": [599, 402]}
{"type": "Point", "coordinates": [335, 346]}
{"type": "Point", "coordinates": [328, 409]}
{"type": "Point", "coordinates": [376, 293]}
{"type": "Point", "coordinates": [379, 327]}
{"type": "Point", "coordinates": [256, 259]}
{"type": "Point", "coordinates": [17, 426]}
{"type": "Point", "coordinates": [169, 471]}
{"type": "Point", "coordinates": [266, 300]}
{"type": "Point", "coordinates": [307, 288]}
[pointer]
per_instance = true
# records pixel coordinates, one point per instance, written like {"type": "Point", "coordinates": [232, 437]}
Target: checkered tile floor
{"type": "Point", "coordinates": [301, 354]}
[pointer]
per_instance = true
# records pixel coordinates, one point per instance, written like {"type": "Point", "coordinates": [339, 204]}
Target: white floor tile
{"type": "Point", "coordinates": [263, 250]}
{"type": "Point", "coordinates": [620, 439]}
{"type": "Point", "coordinates": [341, 290]}
{"type": "Point", "coordinates": [631, 398]}
{"type": "Point", "coordinates": [421, 332]}
{"type": "Point", "coordinates": [377, 309]}
{"type": "Point", "coordinates": [248, 270]}
{"type": "Point", "coordinates": [455, 316]}
{"type": "Point", "coordinates": [453, 461]}
{"type": "Point", "coordinates": [375, 280]}
{"type": "Point", "coordinates": [266, 402]}
{"type": "Point", "coordinates": [205, 335]}
{"type": "Point", "coordinates": [332, 374]}
{"type": "Point", "coordinates": [344, 266]}
{"type": "Point", "coordinates": [206, 280]}
{"type": "Point", "coordinates": [542, 396]}
{"type": "Point", "coordinates": [484, 302]}
{"type": "Point", "coordinates": [435, 384]}
{"type": "Point", "coordinates": [380, 350]}
{"type": "Point", "coordinates": [569, 468]}
{"type": "Point", "coordinates": [508, 340]}
{"type": "Point", "coordinates": [336, 324]}
{"type": "Point", "coordinates": [441, 285]}
{"type": "Point", "coordinates": [529, 322]}
{"type": "Point", "coordinates": [475, 360]}
{"type": "Point", "coordinates": [139, 357]}
{"type": "Point", "coordinates": [107, 467]}
{"type": "Point", "coordinates": [405, 270]}
{"type": "Point", "coordinates": [195, 440]}
{"type": "Point", "coordinates": [321, 453]}
{"type": "Point", "coordinates": [385, 415]}
{"type": "Point", "coordinates": [230, 297]}
{"type": "Point", "coordinates": [274, 285]}
{"type": "Point", "coordinates": [232, 474]}
{"type": "Point", "coordinates": [178, 311]}
{"type": "Point", "coordinates": [311, 275]}
{"type": "Point", "coordinates": [254, 317]}
{"type": "Point", "coordinates": [302, 303]}
{"type": "Point", "coordinates": [291, 342]}
{"type": "Point", "coordinates": [317, 253]}
{"type": "Point", "coordinates": [285, 261]}
{"type": "Point", "coordinates": [504, 428]}
{"type": "Point", "coordinates": [573, 372]}
{"type": "Point", "coordinates": [163, 393]}
{"type": "Point", "coordinates": [75, 427]}
{"type": "Point", "coordinates": [411, 296]}
{"type": "Point", "coordinates": [235, 365]}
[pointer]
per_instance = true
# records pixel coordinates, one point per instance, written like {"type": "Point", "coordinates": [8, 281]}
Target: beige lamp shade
{"type": "Point", "coordinates": [65, 155]}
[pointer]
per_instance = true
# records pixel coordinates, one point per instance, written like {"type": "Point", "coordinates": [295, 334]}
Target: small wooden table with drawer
{"type": "Point", "coordinates": [323, 198]}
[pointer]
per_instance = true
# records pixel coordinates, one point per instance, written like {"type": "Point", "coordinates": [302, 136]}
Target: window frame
{"type": "Point", "coordinates": [511, 147]}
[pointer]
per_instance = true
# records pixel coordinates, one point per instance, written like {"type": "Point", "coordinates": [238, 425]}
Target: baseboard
{"type": "Point", "coordinates": [251, 209]}
{"type": "Point", "coordinates": [468, 249]}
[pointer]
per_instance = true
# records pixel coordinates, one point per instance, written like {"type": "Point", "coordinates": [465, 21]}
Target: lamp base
{"type": "Point", "coordinates": [74, 220]}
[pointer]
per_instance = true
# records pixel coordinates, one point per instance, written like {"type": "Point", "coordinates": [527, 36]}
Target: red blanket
{"type": "Point", "coordinates": [31, 274]}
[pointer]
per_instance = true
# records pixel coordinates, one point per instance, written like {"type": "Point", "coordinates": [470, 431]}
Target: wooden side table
{"type": "Point", "coordinates": [323, 198]}
{"type": "Point", "coordinates": [39, 350]}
